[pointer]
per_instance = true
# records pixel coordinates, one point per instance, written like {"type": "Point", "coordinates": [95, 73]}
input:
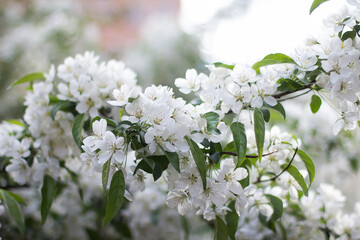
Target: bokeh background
{"type": "Point", "coordinates": [160, 39]}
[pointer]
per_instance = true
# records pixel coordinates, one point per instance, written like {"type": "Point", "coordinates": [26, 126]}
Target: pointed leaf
{"type": "Point", "coordinates": [239, 135]}
{"type": "Point", "coordinates": [310, 167]}
{"type": "Point", "coordinates": [271, 59]}
{"type": "Point", "coordinates": [315, 4]}
{"type": "Point", "coordinates": [28, 78]}
{"type": "Point", "coordinates": [60, 106]}
{"type": "Point", "coordinates": [12, 206]}
{"type": "Point", "coordinates": [78, 125]}
{"type": "Point", "coordinates": [277, 205]}
{"type": "Point", "coordinates": [232, 219]}
{"type": "Point", "coordinates": [157, 171]}
{"type": "Point", "coordinates": [173, 158]}
{"type": "Point", "coordinates": [288, 85]}
{"type": "Point", "coordinates": [105, 175]}
{"type": "Point", "coordinates": [259, 128]}
{"type": "Point", "coordinates": [15, 196]}
{"type": "Point", "coordinates": [212, 119]}
{"type": "Point", "coordinates": [315, 103]}
{"type": "Point", "coordinates": [223, 65]}
{"type": "Point", "coordinates": [221, 232]}
{"type": "Point", "coordinates": [199, 158]}
{"type": "Point", "coordinates": [16, 122]}
{"type": "Point", "coordinates": [115, 197]}
{"type": "Point", "coordinates": [279, 108]}
{"type": "Point", "coordinates": [294, 172]}
{"type": "Point", "coordinates": [48, 192]}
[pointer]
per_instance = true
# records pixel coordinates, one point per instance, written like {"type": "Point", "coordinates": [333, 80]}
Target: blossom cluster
{"type": "Point", "coordinates": [211, 157]}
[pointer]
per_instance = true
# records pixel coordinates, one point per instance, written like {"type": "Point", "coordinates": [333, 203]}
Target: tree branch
{"type": "Point", "coordinates": [248, 156]}
{"type": "Point", "coordinates": [282, 94]}
{"type": "Point", "coordinates": [278, 175]}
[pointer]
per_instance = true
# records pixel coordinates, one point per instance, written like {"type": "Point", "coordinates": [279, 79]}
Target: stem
{"type": "Point", "coordinates": [248, 156]}
{"type": "Point", "coordinates": [280, 100]}
{"type": "Point", "coordinates": [282, 94]}
{"type": "Point", "coordinates": [278, 175]}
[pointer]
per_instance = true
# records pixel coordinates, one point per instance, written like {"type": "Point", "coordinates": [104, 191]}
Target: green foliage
{"type": "Point", "coordinates": [315, 103]}
{"type": "Point", "coordinates": [315, 4]}
{"type": "Point", "coordinates": [199, 158]}
{"type": "Point", "coordinates": [48, 193]}
{"type": "Point", "coordinates": [157, 171]}
{"type": "Point", "coordinates": [77, 128]}
{"type": "Point", "coordinates": [115, 196]}
{"type": "Point", "coordinates": [232, 219]}
{"type": "Point", "coordinates": [16, 122]}
{"type": "Point", "coordinates": [266, 114]}
{"type": "Point", "coordinates": [239, 135]}
{"type": "Point", "coordinates": [11, 202]}
{"type": "Point", "coordinates": [259, 128]}
{"type": "Point", "coordinates": [223, 65]}
{"type": "Point", "coordinates": [28, 78]}
{"type": "Point", "coordinates": [277, 205]}
{"type": "Point", "coordinates": [288, 85]}
{"type": "Point", "coordinates": [173, 158]}
{"type": "Point", "coordinates": [212, 119]}
{"type": "Point", "coordinates": [60, 106]}
{"type": "Point", "coordinates": [271, 59]}
{"type": "Point", "coordinates": [221, 231]}
{"type": "Point", "coordinates": [278, 107]}
{"type": "Point", "coordinates": [310, 167]}
{"type": "Point", "coordinates": [294, 172]}
{"type": "Point", "coordinates": [105, 175]}
{"type": "Point", "coordinates": [348, 34]}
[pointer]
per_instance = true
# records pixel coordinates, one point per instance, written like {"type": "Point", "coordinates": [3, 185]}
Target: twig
{"type": "Point", "coordinates": [281, 94]}
{"type": "Point", "coordinates": [280, 100]}
{"type": "Point", "coordinates": [278, 175]}
{"type": "Point", "coordinates": [248, 156]}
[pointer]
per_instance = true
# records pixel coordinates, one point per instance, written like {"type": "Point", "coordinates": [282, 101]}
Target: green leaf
{"type": "Point", "coordinates": [143, 165]}
{"type": "Point", "coordinates": [315, 4]}
{"type": "Point", "coordinates": [48, 192]}
{"type": "Point", "coordinates": [15, 122]}
{"type": "Point", "coordinates": [116, 196]}
{"type": "Point", "coordinates": [239, 135]}
{"type": "Point", "coordinates": [315, 103]}
{"type": "Point", "coordinates": [78, 125]}
{"type": "Point", "coordinates": [62, 105]}
{"type": "Point", "coordinates": [271, 59]}
{"type": "Point", "coordinates": [294, 172]}
{"type": "Point", "coordinates": [157, 171]}
{"type": "Point", "coordinates": [259, 128]}
{"type": "Point", "coordinates": [212, 119]}
{"type": "Point", "coordinates": [308, 164]}
{"type": "Point", "coordinates": [28, 78]}
{"type": "Point", "coordinates": [199, 159]}
{"type": "Point", "coordinates": [173, 158]}
{"type": "Point", "coordinates": [278, 107]}
{"type": "Point", "coordinates": [266, 114]}
{"type": "Point", "coordinates": [105, 175]}
{"type": "Point", "coordinates": [232, 219]}
{"type": "Point", "coordinates": [277, 205]}
{"type": "Point", "coordinates": [15, 196]}
{"type": "Point", "coordinates": [12, 206]}
{"type": "Point", "coordinates": [186, 227]}
{"type": "Point", "coordinates": [223, 65]}
{"type": "Point", "coordinates": [288, 85]}
{"type": "Point", "coordinates": [348, 34]}
{"type": "Point", "coordinates": [215, 157]}
{"type": "Point", "coordinates": [221, 232]}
